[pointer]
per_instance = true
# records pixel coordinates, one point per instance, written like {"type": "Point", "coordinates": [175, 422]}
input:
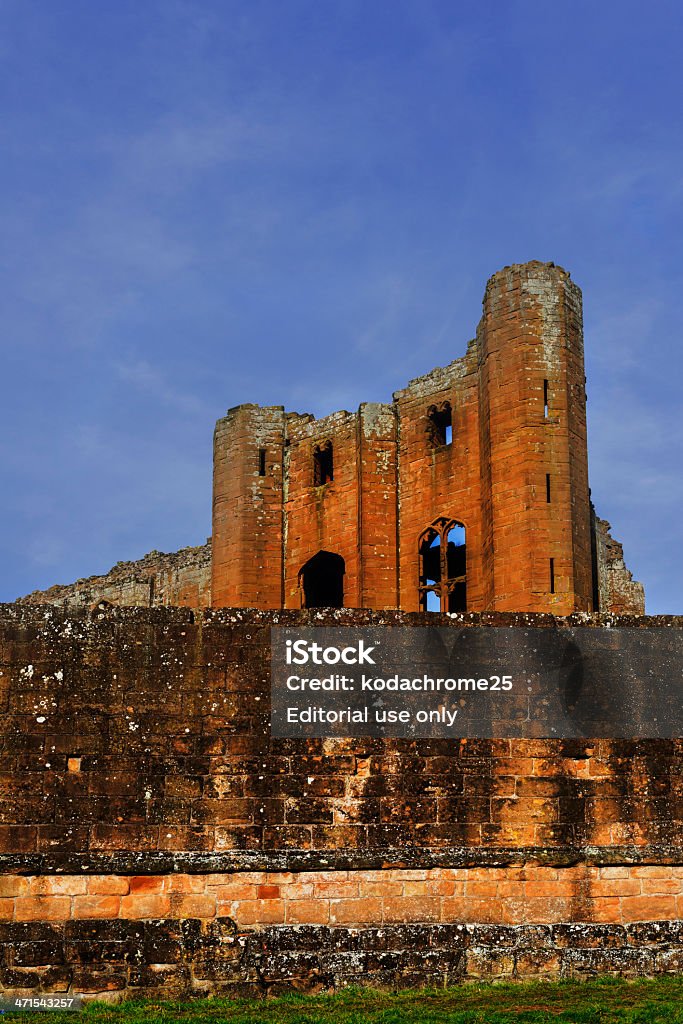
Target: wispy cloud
{"type": "Point", "coordinates": [151, 381]}
{"type": "Point", "coordinates": [618, 339]}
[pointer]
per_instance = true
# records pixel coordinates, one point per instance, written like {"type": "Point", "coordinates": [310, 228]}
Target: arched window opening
{"type": "Point", "coordinates": [430, 557]}
{"type": "Point", "coordinates": [443, 567]}
{"type": "Point", "coordinates": [440, 424]}
{"type": "Point", "coordinates": [323, 464]}
{"type": "Point", "coordinates": [322, 581]}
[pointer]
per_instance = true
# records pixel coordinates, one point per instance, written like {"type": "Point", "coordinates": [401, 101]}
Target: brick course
{"type": "Point", "coordinates": [524, 893]}
{"type": "Point", "coordinates": [102, 958]}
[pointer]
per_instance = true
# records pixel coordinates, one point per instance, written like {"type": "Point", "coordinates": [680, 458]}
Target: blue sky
{"type": "Point", "coordinates": [206, 202]}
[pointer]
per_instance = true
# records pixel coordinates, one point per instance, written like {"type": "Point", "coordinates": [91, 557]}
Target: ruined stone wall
{"type": "Point", "coordinates": [355, 514]}
{"type": "Point", "coordinates": [153, 836]}
{"type": "Point", "coordinates": [322, 518]}
{"type": "Point", "coordinates": [616, 587]}
{"type": "Point", "coordinates": [379, 513]}
{"type": "Point", "coordinates": [181, 578]}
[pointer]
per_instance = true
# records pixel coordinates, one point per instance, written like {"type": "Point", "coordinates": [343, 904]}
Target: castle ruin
{"type": "Point", "coordinates": [469, 492]}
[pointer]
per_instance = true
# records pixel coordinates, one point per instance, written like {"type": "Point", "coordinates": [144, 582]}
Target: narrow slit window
{"type": "Point", "coordinates": [262, 462]}
{"type": "Point", "coordinates": [552, 575]}
{"type": "Point", "coordinates": [440, 425]}
{"type": "Point", "coordinates": [547, 487]}
{"type": "Point", "coordinates": [545, 399]}
{"type": "Point", "coordinates": [323, 464]}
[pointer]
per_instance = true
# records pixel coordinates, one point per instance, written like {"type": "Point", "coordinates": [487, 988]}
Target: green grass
{"type": "Point", "coordinates": [601, 1001]}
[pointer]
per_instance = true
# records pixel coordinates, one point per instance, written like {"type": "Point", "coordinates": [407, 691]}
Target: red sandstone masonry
{"type": "Point", "coordinates": [442, 481]}
{"type": "Point", "coordinates": [247, 508]}
{"type": "Point", "coordinates": [517, 895]}
{"type": "Point", "coordinates": [137, 744]}
{"type": "Point", "coordinates": [531, 332]}
{"type": "Point", "coordinates": [323, 518]}
{"type": "Point", "coordinates": [392, 481]}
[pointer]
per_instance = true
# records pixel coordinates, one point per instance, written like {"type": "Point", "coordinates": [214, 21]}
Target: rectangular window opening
{"type": "Point", "coordinates": [547, 487]}
{"type": "Point", "coordinates": [323, 464]}
{"type": "Point", "coordinates": [545, 399]}
{"type": "Point", "coordinates": [262, 462]}
{"type": "Point", "coordinates": [552, 575]}
{"type": "Point", "coordinates": [440, 424]}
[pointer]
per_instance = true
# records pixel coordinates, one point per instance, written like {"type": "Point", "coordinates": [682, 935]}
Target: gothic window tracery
{"type": "Point", "coordinates": [443, 567]}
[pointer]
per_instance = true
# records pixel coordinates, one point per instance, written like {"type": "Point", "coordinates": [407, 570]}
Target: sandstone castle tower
{"type": "Point", "coordinates": [468, 492]}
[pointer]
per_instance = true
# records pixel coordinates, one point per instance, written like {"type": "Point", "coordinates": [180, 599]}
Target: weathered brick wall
{"type": "Point", "coordinates": [153, 833]}
{"type": "Point", "coordinates": [160, 958]}
{"type": "Point", "coordinates": [159, 579]}
{"type": "Point", "coordinates": [149, 729]}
